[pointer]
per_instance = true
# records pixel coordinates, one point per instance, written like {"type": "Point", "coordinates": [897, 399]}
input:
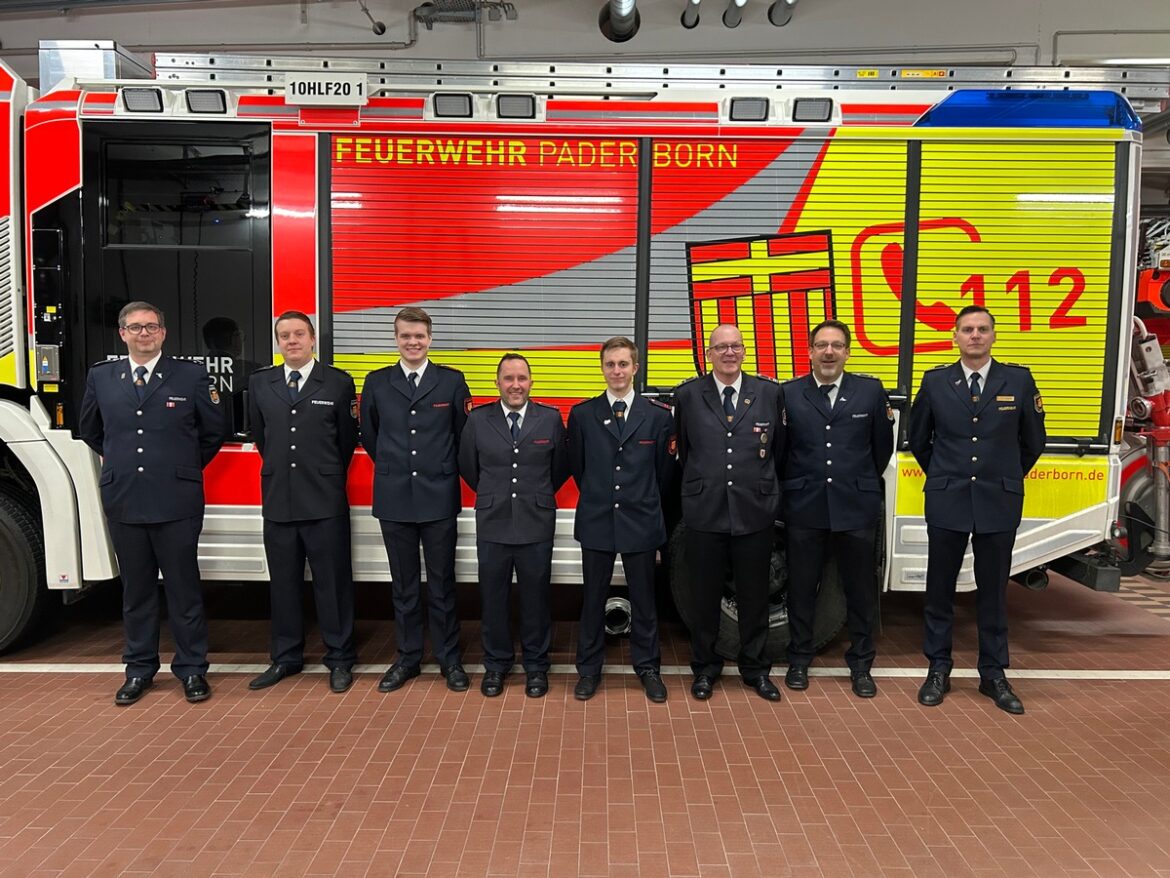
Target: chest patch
{"type": "Point", "coordinates": [861, 414]}
{"type": "Point", "coordinates": [176, 399]}
{"type": "Point", "coordinates": [321, 401]}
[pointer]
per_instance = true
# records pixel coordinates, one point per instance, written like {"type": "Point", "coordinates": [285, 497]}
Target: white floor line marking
{"type": "Point", "coordinates": [668, 670]}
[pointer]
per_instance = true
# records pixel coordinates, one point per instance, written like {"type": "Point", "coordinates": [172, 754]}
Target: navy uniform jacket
{"type": "Point", "coordinates": [975, 455]}
{"type": "Point", "coordinates": [515, 484]}
{"type": "Point", "coordinates": [153, 452]}
{"type": "Point", "coordinates": [833, 460]}
{"type": "Point", "coordinates": [307, 445]}
{"type": "Point", "coordinates": [622, 481]}
{"type": "Point", "coordinates": [738, 491]}
{"type": "Point", "coordinates": [414, 444]}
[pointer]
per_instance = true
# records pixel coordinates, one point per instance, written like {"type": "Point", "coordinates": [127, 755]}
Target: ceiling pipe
{"type": "Point", "coordinates": [619, 20]}
{"type": "Point", "coordinates": [733, 14]}
{"type": "Point", "coordinates": [690, 16]}
{"type": "Point", "coordinates": [780, 12]}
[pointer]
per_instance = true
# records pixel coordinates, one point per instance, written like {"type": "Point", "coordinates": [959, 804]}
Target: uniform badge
{"type": "Point", "coordinates": [353, 409]}
{"type": "Point", "coordinates": [672, 446]}
{"type": "Point", "coordinates": [784, 417]}
{"type": "Point", "coordinates": [467, 406]}
{"type": "Point", "coordinates": [763, 438]}
{"type": "Point", "coordinates": [170, 403]}
{"type": "Point", "coordinates": [763, 453]}
{"type": "Point", "coordinates": [214, 394]}
{"type": "Point", "coordinates": [890, 412]}
{"type": "Point", "coordinates": [1039, 404]}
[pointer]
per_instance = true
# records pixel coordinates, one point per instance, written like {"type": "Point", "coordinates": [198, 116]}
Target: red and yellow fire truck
{"type": "Point", "coordinates": [540, 216]}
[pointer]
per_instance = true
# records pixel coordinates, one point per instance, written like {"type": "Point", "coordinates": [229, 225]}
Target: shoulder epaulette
{"type": "Point", "coordinates": [1013, 365]}
{"type": "Point", "coordinates": [767, 378]}
{"type": "Point", "coordinates": [543, 405]}
{"type": "Point", "coordinates": [658, 403]}
{"type": "Point", "coordinates": [940, 366]}
{"type": "Point", "coordinates": [444, 366]}
{"type": "Point", "coordinates": [865, 376]}
{"type": "Point", "coordinates": [270, 367]}
{"type": "Point", "coordinates": [484, 405]}
{"type": "Point", "coordinates": [794, 380]}
{"type": "Point", "coordinates": [106, 362]}
{"type": "Point", "coordinates": [687, 381]}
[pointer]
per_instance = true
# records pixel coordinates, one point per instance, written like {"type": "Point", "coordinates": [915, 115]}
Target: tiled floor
{"type": "Point", "coordinates": [296, 781]}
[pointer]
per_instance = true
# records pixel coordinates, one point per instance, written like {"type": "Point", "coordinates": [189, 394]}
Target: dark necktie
{"type": "Point", "coordinates": [827, 389]}
{"type": "Point", "coordinates": [974, 387]}
{"type": "Point", "coordinates": [294, 383]}
{"type": "Point", "coordinates": [728, 403]}
{"type": "Point", "coordinates": [140, 382]}
{"type": "Point", "coordinates": [412, 379]}
{"type": "Point", "coordinates": [619, 414]}
{"type": "Point", "coordinates": [514, 417]}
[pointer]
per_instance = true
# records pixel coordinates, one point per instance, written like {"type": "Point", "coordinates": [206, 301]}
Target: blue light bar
{"type": "Point", "coordinates": [979, 108]}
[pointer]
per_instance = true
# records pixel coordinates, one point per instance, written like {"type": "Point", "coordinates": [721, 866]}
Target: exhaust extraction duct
{"type": "Point", "coordinates": [619, 20]}
{"type": "Point", "coordinates": [780, 12]}
{"type": "Point", "coordinates": [690, 16]}
{"type": "Point", "coordinates": [733, 14]}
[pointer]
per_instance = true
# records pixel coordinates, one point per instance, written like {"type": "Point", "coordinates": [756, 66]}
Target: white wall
{"type": "Point", "coordinates": [821, 31]}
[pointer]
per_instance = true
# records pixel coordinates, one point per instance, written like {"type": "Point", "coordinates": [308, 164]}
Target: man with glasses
{"type": "Point", "coordinates": [304, 421]}
{"type": "Point", "coordinates": [729, 436]}
{"type": "Point", "coordinates": [839, 439]}
{"type": "Point", "coordinates": [976, 429]}
{"type": "Point", "coordinates": [412, 415]}
{"type": "Point", "coordinates": [156, 422]}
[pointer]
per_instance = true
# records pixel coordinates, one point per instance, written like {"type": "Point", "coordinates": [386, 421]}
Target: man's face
{"type": "Point", "coordinates": [974, 336]}
{"type": "Point", "coordinates": [515, 383]}
{"type": "Point", "coordinates": [414, 340]}
{"type": "Point", "coordinates": [295, 339]}
{"type": "Point", "coordinates": [725, 353]}
{"type": "Point", "coordinates": [619, 369]}
{"type": "Point", "coordinates": [828, 354]}
{"type": "Point", "coordinates": [143, 335]}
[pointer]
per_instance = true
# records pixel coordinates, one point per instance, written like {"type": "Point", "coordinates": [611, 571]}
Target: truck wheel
{"type": "Point", "coordinates": [830, 612]}
{"type": "Point", "coordinates": [22, 563]}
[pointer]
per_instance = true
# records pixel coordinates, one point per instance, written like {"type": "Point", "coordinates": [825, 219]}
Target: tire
{"type": "Point", "coordinates": [23, 593]}
{"type": "Point", "coordinates": [830, 610]}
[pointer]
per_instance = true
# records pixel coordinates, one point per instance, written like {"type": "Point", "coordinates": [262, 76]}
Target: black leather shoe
{"type": "Point", "coordinates": [655, 688]}
{"type": "Point", "coordinates": [396, 677]}
{"type": "Point", "coordinates": [456, 677]}
{"type": "Point", "coordinates": [703, 686]}
{"type": "Point", "coordinates": [586, 687]}
{"type": "Point", "coordinates": [936, 686]}
{"type": "Point", "coordinates": [536, 684]}
{"type": "Point", "coordinates": [763, 687]}
{"type": "Point", "coordinates": [1000, 691]}
{"type": "Point", "coordinates": [492, 683]}
{"type": "Point", "coordinates": [863, 684]}
{"type": "Point", "coordinates": [340, 679]}
{"type": "Point", "coordinates": [133, 689]}
{"type": "Point", "coordinates": [796, 677]}
{"type": "Point", "coordinates": [195, 688]}
{"type": "Point", "coordinates": [272, 675]}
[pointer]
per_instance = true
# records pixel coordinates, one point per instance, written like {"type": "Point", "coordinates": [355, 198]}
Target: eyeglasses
{"type": "Point", "coordinates": [734, 347]}
{"type": "Point", "coordinates": [826, 345]}
{"type": "Point", "coordinates": [139, 328]}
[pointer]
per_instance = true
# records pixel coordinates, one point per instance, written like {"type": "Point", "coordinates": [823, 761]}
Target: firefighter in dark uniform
{"type": "Point", "coordinates": [412, 415]}
{"type": "Point", "coordinates": [156, 422]}
{"type": "Point", "coordinates": [976, 429]}
{"type": "Point", "coordinates": [729, 435]}
{"type": "Point", "coordinates": [839, 437]}
{"type": "Point", "coordinates": [304, 422]}
{"type": "Point", "coordinates": [621, 452]}
{"type": "Point", "coordinates": [513, 455]}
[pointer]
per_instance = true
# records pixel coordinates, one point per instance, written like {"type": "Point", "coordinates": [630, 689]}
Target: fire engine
{"type": "Point", "coordinates": [542, 209]}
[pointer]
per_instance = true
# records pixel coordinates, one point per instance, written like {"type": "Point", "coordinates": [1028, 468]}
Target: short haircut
{"type": "Point", "coordinates": [723, 326]}
{"type": "Point", "coordinates": [619, 341]}
{"type": "Point", "coordinates": [131, 307]}
{"type": "Point", "coordinates": [510, 356]}
{"type": "Point", "coordinates": [830, 324]}
{"type": "Point", "coordinates": [974, 309]}
{"type": "Point", "coordinates": [294, 315]}
{"type": "Point", "coordinates": [413, 315]}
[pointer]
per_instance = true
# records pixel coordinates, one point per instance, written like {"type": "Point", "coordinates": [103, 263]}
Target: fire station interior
{"type": "Point", "coordinates": [296, 780]}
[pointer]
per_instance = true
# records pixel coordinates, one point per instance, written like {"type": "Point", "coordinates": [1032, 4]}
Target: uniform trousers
{"type": "Point", "coordinates": [325, 543]}
{"type": "Point", "coordinates": [597, 568]}
{"type": "Point", "coordinates": [853, 551]}
{"type": "Point", "coordinates": [748, 557]}
{"type": "Point", "coordinates": [144, 550]}
{"type": "Point", "coordinates": [532, 564]}
{"type": "Point", "coordinates": [437, 539]}
{"type": "Point", "coordinates": [993, 562]}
